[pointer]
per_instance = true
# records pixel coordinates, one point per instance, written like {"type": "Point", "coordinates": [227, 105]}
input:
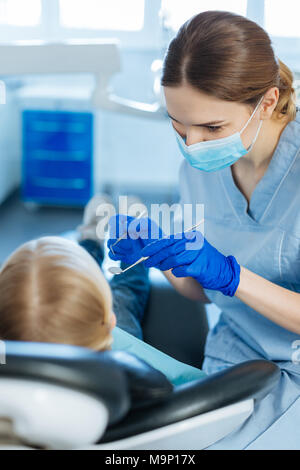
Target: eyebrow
{"type": "Point", "coordinates": [198, 125]}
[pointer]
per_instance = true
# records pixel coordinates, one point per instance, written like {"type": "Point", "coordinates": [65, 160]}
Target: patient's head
{"type": "Point", "coordinates": [52, 290]}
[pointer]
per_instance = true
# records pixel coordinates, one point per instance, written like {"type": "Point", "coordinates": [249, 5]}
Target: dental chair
{"type": "Point", "coordinates": [67, 397]}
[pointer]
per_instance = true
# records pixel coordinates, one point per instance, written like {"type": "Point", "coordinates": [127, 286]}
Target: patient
{"type": "Point", "coordinates": [53, 290]}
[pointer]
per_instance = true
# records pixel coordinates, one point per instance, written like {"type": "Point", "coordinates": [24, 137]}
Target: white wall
{"type": "Point", "coordinates": [10, 147]}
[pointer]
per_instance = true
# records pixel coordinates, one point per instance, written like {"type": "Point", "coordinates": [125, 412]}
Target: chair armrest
{"type": "Point", "coordinates": [252, 379]}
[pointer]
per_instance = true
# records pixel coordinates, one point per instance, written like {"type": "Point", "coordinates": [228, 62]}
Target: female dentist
{"type": "Point", "coordinates": [232, 107]}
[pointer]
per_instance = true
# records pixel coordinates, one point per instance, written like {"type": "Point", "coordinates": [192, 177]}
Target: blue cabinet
{"type": "Point", "coordinates": [57, 163]}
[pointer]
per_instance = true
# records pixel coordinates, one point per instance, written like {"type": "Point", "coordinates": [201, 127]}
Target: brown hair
{"type": "Point", "coordinates": [51, 290]}
{"type": "Point", "coordinates": [230, 57]}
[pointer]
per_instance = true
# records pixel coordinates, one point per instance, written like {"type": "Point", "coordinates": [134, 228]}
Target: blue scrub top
{"type": "Point", "coordinates": [264, 238]}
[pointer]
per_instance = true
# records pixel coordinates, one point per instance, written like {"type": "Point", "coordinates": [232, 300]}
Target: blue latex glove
{"type": "Point", "coordinates": [140, 232]}
{"type": "Point", "coordinates": [198, 259]}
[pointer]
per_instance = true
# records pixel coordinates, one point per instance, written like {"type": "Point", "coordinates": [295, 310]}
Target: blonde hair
{"type": "Point", "coordinates": [287, 102]}
{"type": "Point", "coordinates": [52, 290]}
{"type": "Point", "coordinates": [230, 57]}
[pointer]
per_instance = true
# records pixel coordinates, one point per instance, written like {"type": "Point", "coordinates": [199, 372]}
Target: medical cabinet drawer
{"type": "Point", "coordinates": [57, 165]}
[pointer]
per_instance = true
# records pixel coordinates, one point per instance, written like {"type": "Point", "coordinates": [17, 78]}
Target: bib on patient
{"type": "Point", "coordinates": [177, 372]}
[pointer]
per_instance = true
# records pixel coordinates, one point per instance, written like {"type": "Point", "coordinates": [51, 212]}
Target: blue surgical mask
{"type": "Point", "coordinates": [214, 155]}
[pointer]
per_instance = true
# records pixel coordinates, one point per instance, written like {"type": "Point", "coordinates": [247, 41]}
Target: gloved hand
{"type": "Point", "coordinates": [140, 232]}
{"type": "Point", "coordinates": [198, 259]}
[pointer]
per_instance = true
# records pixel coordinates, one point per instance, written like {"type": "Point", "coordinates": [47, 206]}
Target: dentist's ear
{"type": "Point", "coordinates": [270, 102]}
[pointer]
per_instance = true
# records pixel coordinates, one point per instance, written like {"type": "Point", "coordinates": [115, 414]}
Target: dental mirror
{"type": "Point", "coordinates": [115, 270]}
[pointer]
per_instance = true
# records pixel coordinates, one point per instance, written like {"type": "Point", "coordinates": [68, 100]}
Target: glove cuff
{"type": "Point", "coordinates": [235, 269]}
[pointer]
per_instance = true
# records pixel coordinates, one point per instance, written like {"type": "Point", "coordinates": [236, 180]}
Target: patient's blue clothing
{"type": "Point", "coordinates": [177, 372]}
{"type": "Point", "coordinates": [264, 238]}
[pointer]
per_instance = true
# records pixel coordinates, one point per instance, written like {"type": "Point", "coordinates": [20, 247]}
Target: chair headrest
{"type": "Point", "coordinates": [118, 378]}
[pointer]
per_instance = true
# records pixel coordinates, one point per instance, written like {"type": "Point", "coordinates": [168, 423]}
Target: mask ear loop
{"type": "Point", "coordinates": [255, 138]}
{"type": "Point", "coordinates": [257, 106]}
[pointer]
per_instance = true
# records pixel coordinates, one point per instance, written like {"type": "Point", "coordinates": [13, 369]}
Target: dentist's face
{"type": "Point", "coordinates": [199, 117]}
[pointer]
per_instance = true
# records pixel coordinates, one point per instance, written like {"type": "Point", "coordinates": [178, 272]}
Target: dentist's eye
{"type": "Point", "coordinates": [214, 128]}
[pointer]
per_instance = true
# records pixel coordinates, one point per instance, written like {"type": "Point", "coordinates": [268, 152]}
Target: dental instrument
{"type": "Point", "coordinates": [125, 233]}
{"type": "Point", "coordinates": [117, 270]}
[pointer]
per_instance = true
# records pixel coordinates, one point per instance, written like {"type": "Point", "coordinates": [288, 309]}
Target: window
{"type": "Point", "coordinates": [134, 22]}
{"type": "Point", "coordinates": [176, 12]}
{"type": "Point", "coordinates": [282, 19]}
{"type": "Point", "coordinates": [102, 14]}
{"type": "Point", "coordinates": [20, 12]}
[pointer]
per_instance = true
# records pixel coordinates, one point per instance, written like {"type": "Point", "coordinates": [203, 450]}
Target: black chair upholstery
{"type": "Point", "coordinates": [249, 380]}
{"type": "Point", "coordinates": [138, 397]}
{"type": "Point", "coordinates": [121, 380]}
